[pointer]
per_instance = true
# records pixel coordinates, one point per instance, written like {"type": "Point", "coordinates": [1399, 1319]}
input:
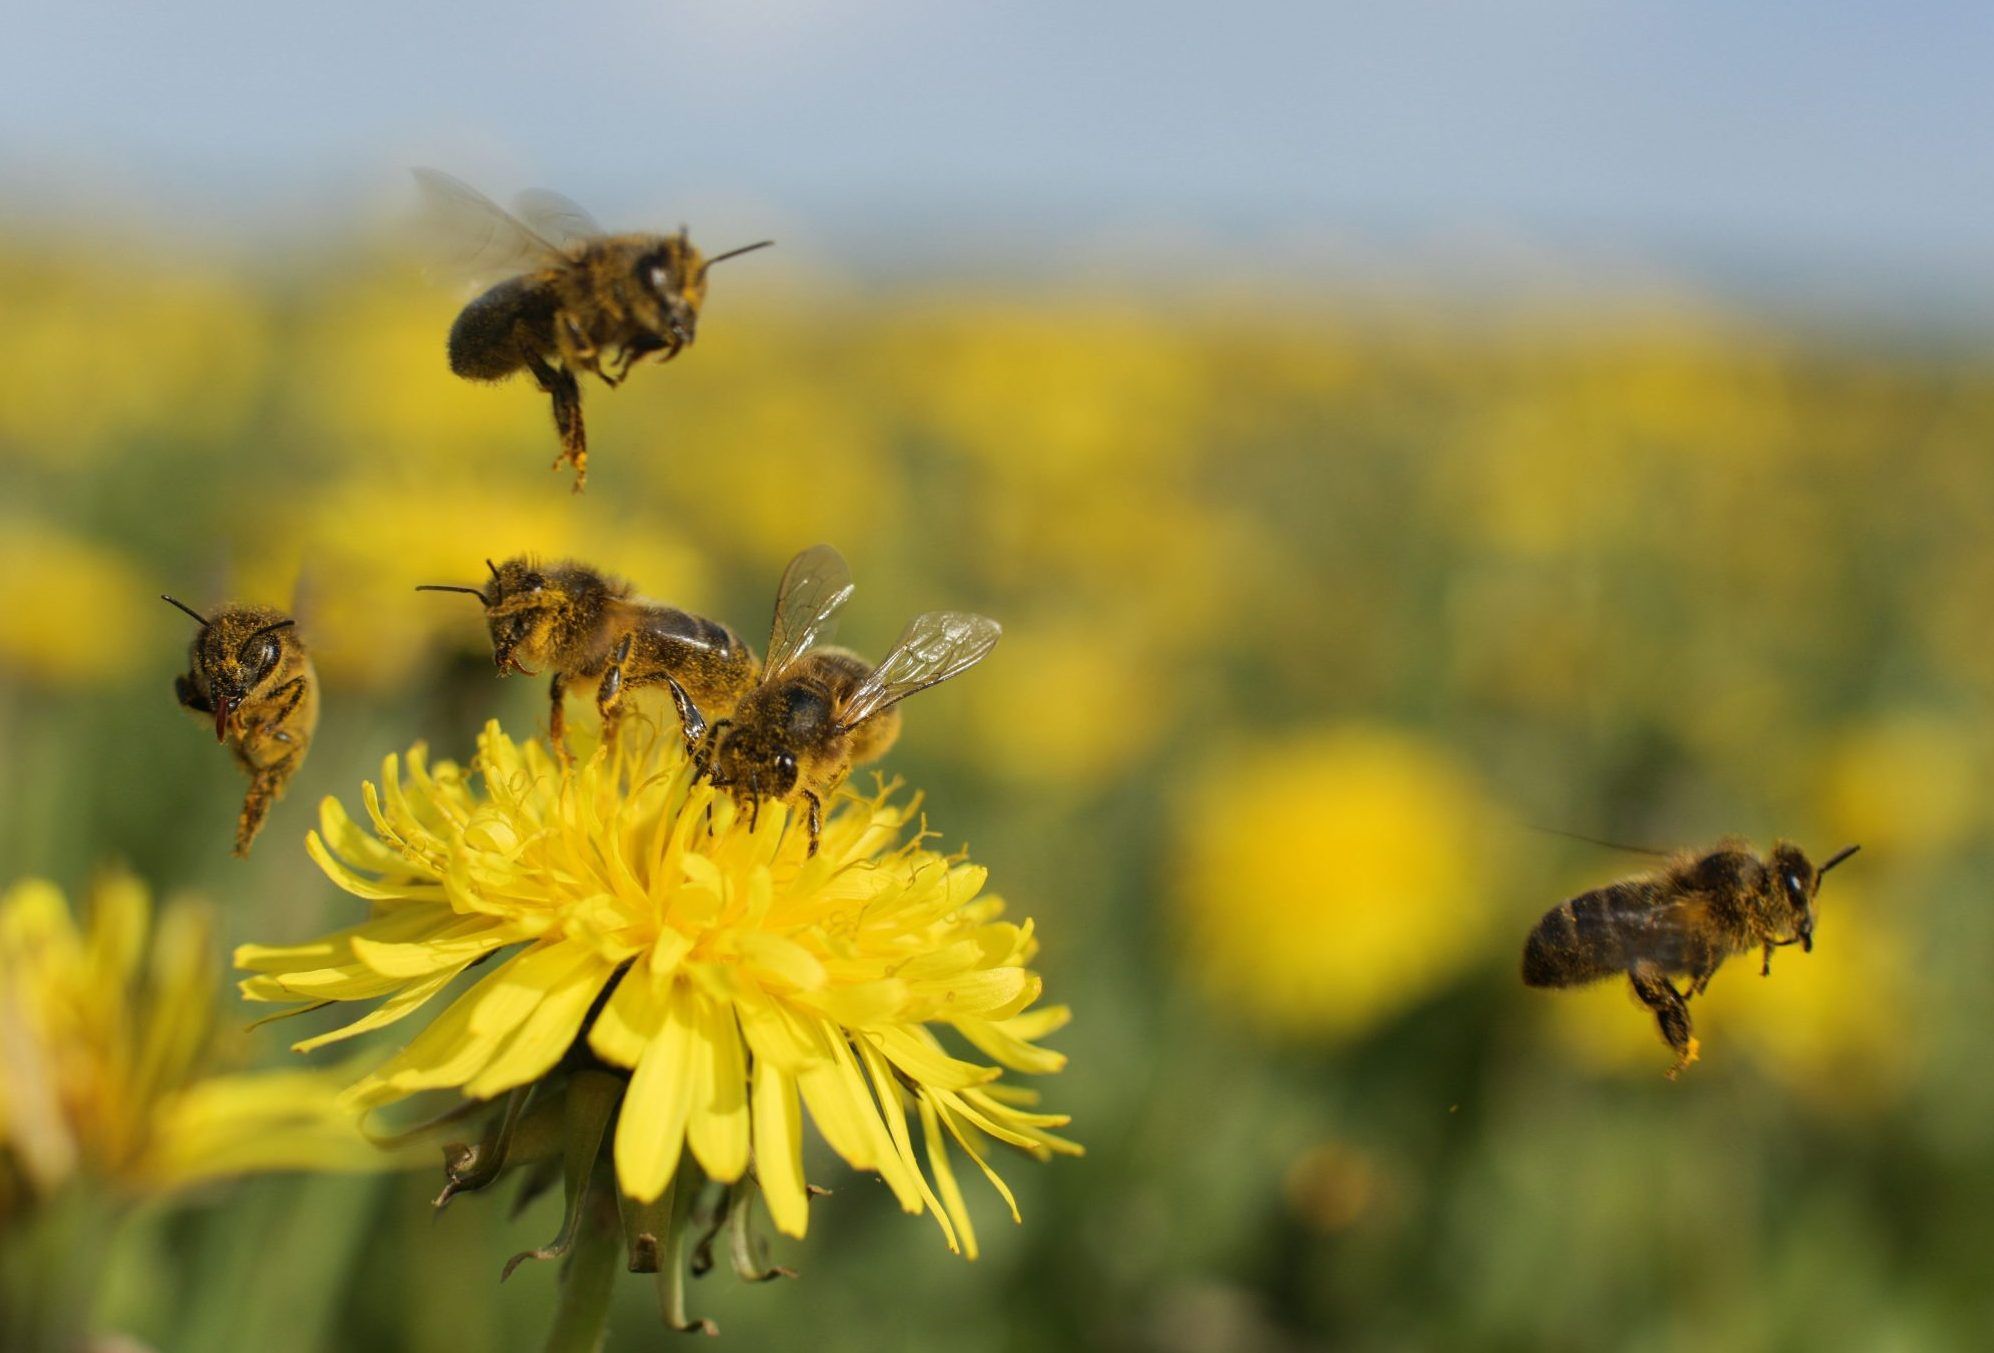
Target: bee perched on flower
{"type": "Point", "coordinates": [108, 1099]}
{"type": "Point", "coordinates": [668, 984]}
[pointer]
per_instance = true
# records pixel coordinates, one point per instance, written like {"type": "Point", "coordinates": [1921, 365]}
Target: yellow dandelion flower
{"type": "Point", "coordinates": [1334, 879]}
{"type": "Point", "coordinates": [662, 958]}
{"type": "Point", "coordinates": [107, 1038]}
{"type": "Point", "coordinates": [59, 577]}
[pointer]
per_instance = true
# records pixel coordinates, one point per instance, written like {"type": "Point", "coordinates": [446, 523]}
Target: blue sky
{"type": "Point", "coordinates": [1831, 130]}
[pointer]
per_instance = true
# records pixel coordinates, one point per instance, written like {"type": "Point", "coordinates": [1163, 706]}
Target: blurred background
{"type": "Point", "coordinates": [1383, 432]}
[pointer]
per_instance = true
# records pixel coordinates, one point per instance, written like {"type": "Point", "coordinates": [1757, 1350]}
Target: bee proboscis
{"type": "Point", "coordinates": [1681, 920]}
{"type": "Point", "coordinates": [574, 298]}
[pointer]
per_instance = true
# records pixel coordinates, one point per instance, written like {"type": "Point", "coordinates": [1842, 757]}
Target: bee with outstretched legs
{"type": "Point", "coordinates": [575, 298]}
{"type": "Point", "coordinates": [249, 672]}
{"type": "Point", "coordinates": [589, 629]}
{"type": "Point", "coordinates": [818, 711]}
{"type": "Point", "coordinates": [1681, 921]}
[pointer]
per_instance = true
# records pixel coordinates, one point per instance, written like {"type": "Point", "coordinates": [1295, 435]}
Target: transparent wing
{"type": "Point", "coordinates": [933, 648]}
{"type": "Point", "coordinates": [557, 218]}
{"type": "Point", "coordinates": [474, 237]}
{"type": "Point", "coordinates": [815, 587]}
{"type": "Point", "coordinates": [1628, 926]}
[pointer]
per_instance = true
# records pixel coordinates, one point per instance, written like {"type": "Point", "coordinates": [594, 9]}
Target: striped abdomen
{"type": "Point", "coordinates": [1614, 929]}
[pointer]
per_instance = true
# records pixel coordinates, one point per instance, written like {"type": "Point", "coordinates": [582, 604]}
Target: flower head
{"type": "Point", "coordinates": [639, 925]}
{"type": "Point", "coordinates": [106, 1040]}
{"type": "Point", "coordinates": [1385, 905]}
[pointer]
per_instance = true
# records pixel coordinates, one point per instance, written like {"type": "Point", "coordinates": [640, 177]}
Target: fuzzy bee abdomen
{"type": "Point", "coordinates": [1591, 936]}
{"type": "Point", "coordinates": [485, 340]}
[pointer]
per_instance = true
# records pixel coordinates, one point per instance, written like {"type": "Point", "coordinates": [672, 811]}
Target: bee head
{"type": "Point", "coordinates": [1797, 883]}
{"type": "Point", "coordinates": [523, 603]}
{"type": "Point", "coordinates": [671, 283]}
{"type": "Point", "coordinates": [236, 654]}
{"type": "Point", "coordinates": [752, 764]}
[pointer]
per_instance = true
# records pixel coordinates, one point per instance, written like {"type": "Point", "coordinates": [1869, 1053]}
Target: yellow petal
{"type": "Point", "coordinates": [631, 1017]}
{"type": "Point", "coordinates": [548, 1032]}
{"type": "Point", "coordinates": [718, 1127]}
{"type": "Point", "coordinates": [650, 1130]}
{"type": "Point", "coordinates": [778, 1131]}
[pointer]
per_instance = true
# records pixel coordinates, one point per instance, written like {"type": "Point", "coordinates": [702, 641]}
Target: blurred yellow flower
{"type": "Point", "coordinates": [73, 324]}
{"type": "Point", "coordinates": [1331, 879]}
{"type": "Point", "coordinates": [735, 979]}
{"type": "Point", "coordinates": [78, 611]}
{"type": "Point", "coordinates": [1078, 703]}
{"type": "Point", "coordinates": [107, 1040]}
{"type": "Point", "coordinates": [1908, 785]}
{"type": "Point", "coordinates": [1054, 393]}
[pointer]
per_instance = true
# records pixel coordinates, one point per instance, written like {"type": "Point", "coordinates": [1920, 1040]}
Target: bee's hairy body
{"type": "Point", "coordinates": [616, 300]}
{"type": "Point", "coordinates": [250, 674]}
{"type": "Point", "coordinates": [588, 629]}
{"type": "Point", "coordinates": [785, 740]}
{"type": "Point", "coordinates": [1681, 921]}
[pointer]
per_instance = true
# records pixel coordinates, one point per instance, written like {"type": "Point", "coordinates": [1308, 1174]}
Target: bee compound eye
{"type": "Point", "coordinates": [786, 763]}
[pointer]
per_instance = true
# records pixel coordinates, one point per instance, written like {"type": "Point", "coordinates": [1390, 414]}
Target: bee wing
{"type": "Point", "coordinates": [933, 648]}
{"type": "Point", "coordinates": [557, 218]}
{"type": "Point", "coordinates": [815, 587]}
{"type": "Point", "coordinates": [474, 236]}
{"type": "Point", "coordinates": [1667, 934]}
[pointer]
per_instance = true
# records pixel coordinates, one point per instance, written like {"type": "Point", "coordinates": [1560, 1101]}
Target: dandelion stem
{"type": "Point", "coordinates": [587, 1279]}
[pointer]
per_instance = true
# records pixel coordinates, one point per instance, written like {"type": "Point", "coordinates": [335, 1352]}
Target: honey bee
{"type": "Point", "coordinates": [573, 298]}
{"type": "Point", "coordinates": [587, 627]}
{"type": "Point", "coordinates": [248, 671]}
{"type": "Point", "coordinates": [1682, 920]}
{"type": "Point", "coordinates": [818, 711]}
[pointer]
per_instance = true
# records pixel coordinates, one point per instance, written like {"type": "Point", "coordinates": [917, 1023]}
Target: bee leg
{"type": "Point", "coordinates": [702, 755]}
{"type": "Point", "coordinates": [1765, 962]}
{"type": "Point", "coordinates": [292, 692]}
{"type": "Point", "coordinates": [559, 382]}
{"type": "Point", "coordinates": [557, 714]}
{"type": "Point", "coordinates": [609, 695]}
{"type": "Point", "coordinates": [632, 352]}
{"type": "Point", "coordinates": [816, 821]}
{"type": "Point", "coordinates": [1700, 979]}
{"type": "Point", "coordinates": [190, 697]}
{"type": "Point", "coordinates": [1671, 1015]}
{"type": "Point", "coordinates": [691, 722]}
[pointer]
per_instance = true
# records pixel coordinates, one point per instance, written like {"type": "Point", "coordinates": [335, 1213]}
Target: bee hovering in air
{"type": "Point", "coordinates": [248, 671]}
{"type": "Point", "coordinates": [575, 298]}
{"type": "Point", "coordinates": [589, 628]}
{"type": "Point", "coordinates": [819, 711]}
{"type": "Point", "coordinates": [1682, 920]}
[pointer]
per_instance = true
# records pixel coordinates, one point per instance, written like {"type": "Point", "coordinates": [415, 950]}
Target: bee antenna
{"type": "Point", "coordinates": [1595, 841]}
{"type": "Point", "coordinates": [734, 253]}
{"type": "Point", "coordinates": [173, 601]}
{"type": "Point", "coordinates": [271, 628]}
{"type": "Point", "coordinates": [1837, 858]}
{"type": "Point", "coordinates": [450, 587]}
{"type": "Point", "coordinates": [494, 568]}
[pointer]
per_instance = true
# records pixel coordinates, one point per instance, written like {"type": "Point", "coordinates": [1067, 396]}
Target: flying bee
{"type": "Point", "coordinates": [575, 298]}
{"type": "Point", "coordinates": [587, 627]}
{"type": "Point", "coordinates": [247, 669]}
{"type": "Point", "coordinates": [1682, 920]}
{"type": "Point", "coordinates": [818, 711]}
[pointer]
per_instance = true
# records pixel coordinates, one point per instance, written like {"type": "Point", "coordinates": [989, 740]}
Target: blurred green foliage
{"type": "Point", "coordinates": [1267, 569]}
